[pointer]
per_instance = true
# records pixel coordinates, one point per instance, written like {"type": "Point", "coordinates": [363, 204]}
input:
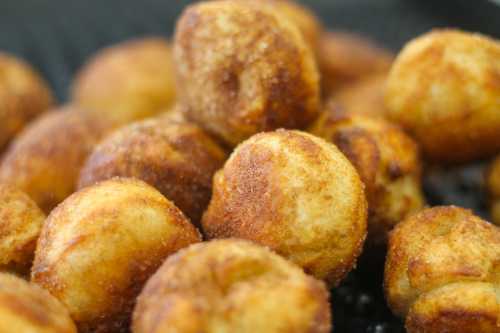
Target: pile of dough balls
{"type": "Point", "coordinates": [226, 179]}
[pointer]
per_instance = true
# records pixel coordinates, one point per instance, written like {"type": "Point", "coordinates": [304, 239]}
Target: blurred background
{"type": "Point", "coordinates": [57, 36]}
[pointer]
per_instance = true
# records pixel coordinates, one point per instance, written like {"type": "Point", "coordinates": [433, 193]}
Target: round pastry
{"type": "Point", "coordinates": [25, 307]}
{"type": "Point", "coordinates": [444, 88]}
{"type": "Point", "coordinates": [238, 81]}
{"type": "Point", "coordinates": [129, 81]}
{"type": "Point", "coordinates": [45, 160]}
{"type": "Point", "coordinates": [98, 248]}
{"type": "Point", "coordinates": [23, 96]}
{"type": "Point", "coordinates": [386, 159]}
{"type": "Point", "coordinates": [442, 272]}
{"type": "Point", "coordinates": [20, 224]}
{"type": "Point", "coordinates": [231, 286]}
{"type": "Point", "coordinates": [298, 195]}
{"type": "Point", "coordinates": [178, 158]}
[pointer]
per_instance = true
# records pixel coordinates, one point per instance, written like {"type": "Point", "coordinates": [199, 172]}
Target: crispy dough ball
{"type": "Point", "coordinates": [345, 57]}
{"type": "Point", "coordinates": [444, 88]}
{"type": "Point", "coordinates": [23, 96]}
{"type": "Point", "coordinates": [387, 161]}
{"type": "Point", "coordinates": [238, 81]}
{"type": "Point", "coordinates": [45, 159]}
{"type": "Point", "coordinates": [442, 272]}
{"type": "Point", "coordinates": [298, 195]}
{"type": "Point", "coordinates": [231, 286]}
{"type": "Point", "coordinates": [129, 81]}
{"type": "Point", "coordinates": [99, 247]}
{"type": "Point", "coordinates": [178, 158]}
{"type": "Point", "coordinates": [27, 308]}
{"type": "Point", "coordinates": [364, 96]}
{"type": "Point", "coordinates": [20, 224]}
{"type": "Point", "coordinates": [493, 184]}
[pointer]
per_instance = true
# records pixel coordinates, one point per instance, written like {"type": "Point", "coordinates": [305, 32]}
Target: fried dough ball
{"type": "Point", "coordinates": [20, 224]}
{"type": "Point", "coordinates": [26, 308]}
{"type": "Point", "coordinates": [99, 247]}
{"type": "Point", "coordinates": [444, 88]}
{"type": "Point", "coordinates": [365, 97]}
{"type": "Point", "coordinates": [178, 158]}
{"type": "Point", "coordinates": [45, 159]}
{"type": "Point", "coordinates": [493, 184]}
{"type": "Point", "coordinates": [23, 96]}
{"type": "Point", "coordinates": [298, 195]}
{"type": "Point", "coordinates": [129, 81]}
{"type": "Point", "coordinates": [386, 159]}
{"type": "Point", "coordinates": [442, 272]}
{"type": "Point", "coordinates": [231, 286]}
{"type": "Point", "coordinates": [238, 81]}
{"type": "Point", "coordinates": [344, 58]}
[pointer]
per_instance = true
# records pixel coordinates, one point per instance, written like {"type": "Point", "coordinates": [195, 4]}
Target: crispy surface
{"type": "Point", "coordinates": [25, 307]}
{"type": "Point", "coordinates": [443, 268]}
{"type": "Point", "coordinates": [444, 88]}
{"type": "Point", "coordinates": [344, 57]}
{"type": "Point", "coordinates": [177, 158]}
{"type": "Point", "coordinates": [23, 96]}
{"type": "Point", "coordinates": [20, 224]}
{"type": "Point", "coordinates": [493, 185]}
{"type": "Point", "coordinates": [387, 161]}
{"type": "Point", "coordinates": [296, 194]}
{"type": "Point", "coordinates": [45, 160]}
{"type": "Point", "coordinates": [239, 81]}
{"type": "Point", "coordinates": [99, 247]}
{"type": "Point", "coordinates": [231, 286]}
{"type": "Point", "coordinates": [128, 81]}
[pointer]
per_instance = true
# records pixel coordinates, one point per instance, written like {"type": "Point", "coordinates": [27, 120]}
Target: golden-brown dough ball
{"type": "Point", "coordinates": [23, 96]}
{"type": "Point", "coordinates": [25, 307]}
{"type": "Point", "coordinates": [178, 158]}
{"type": "Point", "coordinates": [345, 57]}
{"type": "Point", "coordinates": [298, 195]}
{"type": "Point", "coordinates": [442, 271]}
{"type": "Point", "coordinates": [364, 96]}
{"type": "Point", "coordinates": [231, 286]}
{"type": "Point", "coordinates": [20, 224]}
{"type": "Point", "coordinates": [386, 159]}
{"type": "Point", "coordinates": [493, 185]}
{"type": "Point", "coordinates": [45, 159]}
{"type": "Point", "coordinates": [129, 81]}
{"type": "Point", "coordinates": [444, 88]}
{"type": "Point", "coordinates": [238, 81]}
{"type": "Point", "coordinates": [99, 247]}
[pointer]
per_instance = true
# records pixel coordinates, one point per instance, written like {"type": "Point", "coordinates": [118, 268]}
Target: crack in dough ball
{"type": "Point", "coordinates": [444, 88]}
{"type": "Point", "coordinates": [231, 286]}
{"type": "Point", "coordinates": [25, 307]}
{"type": "Point", "coordinates": [298, 195]}
{"type": "Point", "coordinates": [442, 272]}
{"type": "Point", "coordinates": [238, 81]}
{"type": "Point", "coordinates": [98, 248]}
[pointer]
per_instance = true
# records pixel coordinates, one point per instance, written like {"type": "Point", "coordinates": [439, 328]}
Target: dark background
{"type": "Point", "coordinates": [58, 35]}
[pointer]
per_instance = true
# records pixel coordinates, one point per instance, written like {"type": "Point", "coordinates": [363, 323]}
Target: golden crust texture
{"type": "Point", "coordinates": [231, 286]}
{"type": "Point", "coordinates": [25, 307]}
{"type": "Point", "coordinates": [99, 247]}
{"type": "Point", "coordinates": [344, 58]}
{"type": "Point", "coordinates": [493, 185]}
{"type": "Point", "coordinates": [238, 81]}
{"type": "Point", "coordinates": [296, 194]}
{"type": "Point", "coordinates": [23, 96]}
{"type": "Point", "coordinates": [442, 272]}
{"type": "Point", "coordinates": [20, 224]}
{"type": "Point", "coordinates": [387, 161]}
{"type": "Point", "coordinates": [178, 158]}
{"type": "Point", "coordinates": [45, 159]}
{"type": "Point", "coordinates": [129, 81]}
{"type": "Point", "coordinates": [444, 88]}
